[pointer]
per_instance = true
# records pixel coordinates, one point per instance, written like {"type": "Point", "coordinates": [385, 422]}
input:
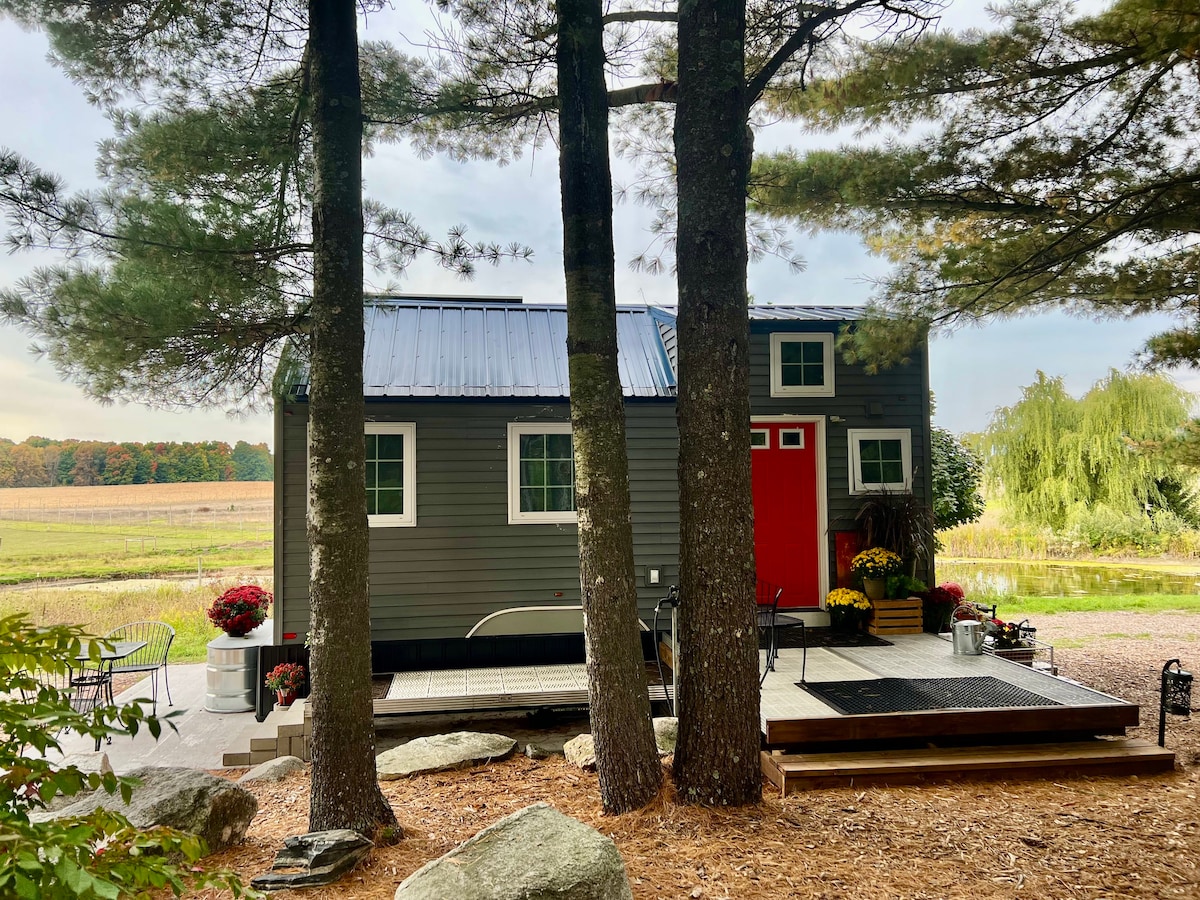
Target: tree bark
{"type": "Point", "coordinates": [345, 792]}
{"type": "Point", "coordinates": [626, 757]}
{"type": "Point", "coordinates": [716, 759]}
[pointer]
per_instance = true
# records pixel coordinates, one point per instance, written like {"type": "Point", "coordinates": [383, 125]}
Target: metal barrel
{"type": "Point", "coordinates": [232, 672]}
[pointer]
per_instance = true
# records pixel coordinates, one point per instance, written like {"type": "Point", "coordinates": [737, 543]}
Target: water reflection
{"type": "Point", "coordinates": [1043, 579]}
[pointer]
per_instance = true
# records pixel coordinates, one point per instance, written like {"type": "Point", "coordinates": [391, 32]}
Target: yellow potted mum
{"type": "Point", "coordinates": [874, 566]}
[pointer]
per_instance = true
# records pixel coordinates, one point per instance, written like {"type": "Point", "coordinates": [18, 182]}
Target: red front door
{"type": "Point", "coordinates": [787, 530]}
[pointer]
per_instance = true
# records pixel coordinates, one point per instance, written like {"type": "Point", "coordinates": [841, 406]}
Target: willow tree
{"type": "Point", "coordinates": [1052, 456]}
{"type": "Point", "coordinates": [1052, 166]}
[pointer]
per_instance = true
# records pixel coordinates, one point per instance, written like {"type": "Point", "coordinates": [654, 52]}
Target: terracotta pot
{"type": "Point", "coordinates": [285, 698]}
{"type": "Point", "coordinates": [875, 588]}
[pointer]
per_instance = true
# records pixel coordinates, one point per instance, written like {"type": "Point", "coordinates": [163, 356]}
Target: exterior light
{"type": "Point", "coordinates": [1175, 696]}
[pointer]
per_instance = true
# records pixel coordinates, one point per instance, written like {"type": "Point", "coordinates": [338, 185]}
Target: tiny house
{"type": "Point", "coordinates": [470, 474]}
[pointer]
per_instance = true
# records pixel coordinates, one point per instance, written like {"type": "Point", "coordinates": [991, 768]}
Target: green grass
{"type": "Point", "coordinates": [31, 551]}
{"type": "Point", "coordinates": [1010, 607]}
{"type": "Point", "coordinates": [181, 606]}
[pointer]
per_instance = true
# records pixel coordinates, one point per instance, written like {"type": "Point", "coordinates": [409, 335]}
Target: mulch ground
{"type": "Point", "coordinates": [1069, 839]}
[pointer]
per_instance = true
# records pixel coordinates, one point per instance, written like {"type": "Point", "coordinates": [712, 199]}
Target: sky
{"type": "Point", "coordinates": [44, 117]}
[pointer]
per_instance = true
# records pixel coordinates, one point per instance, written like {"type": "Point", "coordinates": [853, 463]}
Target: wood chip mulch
{"type": "Point", "coordinates": [1071, 839]}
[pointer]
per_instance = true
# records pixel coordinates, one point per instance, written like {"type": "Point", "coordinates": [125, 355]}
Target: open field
{"type": "Point", "coordinates": [133, 530]}
{"type": "Point", "coordinates": [242, 494]}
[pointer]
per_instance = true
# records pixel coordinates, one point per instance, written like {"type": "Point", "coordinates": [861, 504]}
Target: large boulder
{"type": "Point", "coordinates": [666, 734]}
{"type": "Point", "coordinates": [441, 752]}
{"type": "Point", "coordinates": [273, 769]}
{"type": "Point", "coordinates": [535, 854]}
{"type": "Point", "coordinates": [581, 751]}
{"type": "Point", "coordinates": [215, 809]}
{"type": "Point", "coordinates": [313, 859]}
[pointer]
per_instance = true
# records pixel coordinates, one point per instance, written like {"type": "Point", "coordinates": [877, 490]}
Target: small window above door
{"type": "Point", "coordinates": [801, 365]}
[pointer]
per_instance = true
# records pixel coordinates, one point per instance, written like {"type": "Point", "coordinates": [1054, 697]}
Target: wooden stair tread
{"type": "Point", "coordinates": [792, 770]}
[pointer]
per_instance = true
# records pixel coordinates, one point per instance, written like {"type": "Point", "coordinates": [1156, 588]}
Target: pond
{"type": "Point", "coordinates": [1048, 579]}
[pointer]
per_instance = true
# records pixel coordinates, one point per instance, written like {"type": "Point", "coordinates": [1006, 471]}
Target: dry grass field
{"type": "Point", "coordinates": [208, 496]}
{"type": "Point", "coordinates": [133, 530]}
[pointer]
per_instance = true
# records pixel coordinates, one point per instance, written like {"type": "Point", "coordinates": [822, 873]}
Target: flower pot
{"type": "Point", "coordinates": [875, 588]}
{"type": "Point", "coordinates": [237, 634]}
{"type": "Point", "coordinates": [285, 698]}
{"type": "Point", "coordinates": [844, 619]}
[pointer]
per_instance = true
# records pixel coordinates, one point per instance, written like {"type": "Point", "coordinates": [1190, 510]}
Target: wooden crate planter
{"type": "Point", "coordinates": [896, 616]}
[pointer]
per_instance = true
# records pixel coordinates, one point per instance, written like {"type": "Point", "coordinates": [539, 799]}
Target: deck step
{"type": "Point", "coordinates": [1127, 756]}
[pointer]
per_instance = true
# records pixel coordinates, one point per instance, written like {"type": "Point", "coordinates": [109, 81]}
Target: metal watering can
{"type": "Point", "coordinates": [968, 638]}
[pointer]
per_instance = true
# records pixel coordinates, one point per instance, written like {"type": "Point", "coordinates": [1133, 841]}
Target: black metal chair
{"type": "Point", "coordinates": [85, 689]}
{"type": "Point", "coordinates": [770, 620]}
{"type": "Point", "coordinates": [158, 637]}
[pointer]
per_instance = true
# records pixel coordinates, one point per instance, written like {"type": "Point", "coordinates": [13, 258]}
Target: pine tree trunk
{"type": "Point", "coordinates": [716, 759]}
{"type": "Point", "coordinates": [626, 758]}
{"type": "Point", "coordinates": [345, 792]}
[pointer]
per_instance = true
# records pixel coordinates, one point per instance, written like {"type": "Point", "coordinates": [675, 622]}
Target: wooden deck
{"type": "Point", "coordinates": [808, 743]}
{"type": "Point", "coordinates": [796, 772]}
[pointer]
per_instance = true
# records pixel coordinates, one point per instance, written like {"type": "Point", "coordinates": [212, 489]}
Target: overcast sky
{"type": "Point", "coordinates": [44, 117]}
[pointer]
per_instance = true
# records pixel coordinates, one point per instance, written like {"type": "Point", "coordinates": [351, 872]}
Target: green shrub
{"type": "Point", "coordinates": [95, 856]}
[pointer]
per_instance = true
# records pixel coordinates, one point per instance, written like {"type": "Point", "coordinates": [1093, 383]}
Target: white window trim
{"type": "Point", "coordinates": [515, 515]}
{"type": "Point", "coordinates": [855, 435]}
{"type": "Point", "coordinates": [786, 446]}
{"type": "Point", "coordinates": [408, 518]}
{"type": "Point", "coordinates": [764, 431]}
{"type": "Point", "coordinates": [778, 389]}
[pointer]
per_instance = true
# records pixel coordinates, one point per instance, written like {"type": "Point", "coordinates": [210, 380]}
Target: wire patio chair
{"type": "Point", "coordinates": [158, 637]}
{"type": "Point", "coordinates": [85, 689]}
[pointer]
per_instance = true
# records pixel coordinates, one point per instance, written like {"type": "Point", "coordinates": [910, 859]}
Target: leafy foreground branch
{"type": "Point", "coordinates": [100, 855]}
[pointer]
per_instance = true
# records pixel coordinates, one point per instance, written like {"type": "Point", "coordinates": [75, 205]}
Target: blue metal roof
{"type": "Point", "coordinates": [793, 313]}
{"type": "Point", "coordinates": [469, 348]}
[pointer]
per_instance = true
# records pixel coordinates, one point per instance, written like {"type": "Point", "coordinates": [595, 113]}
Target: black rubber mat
{"type": "Point", "coordinates": [891, 695]}
{"type": "Point", "coordinates": [794, 638]}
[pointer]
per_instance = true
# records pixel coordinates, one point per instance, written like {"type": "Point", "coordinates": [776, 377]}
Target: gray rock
{"type": "Point", "coordinates": [441, 752]}
{"type": "Point", "coordinates": [274, 769]}
{"type": "Point", "coordinates": [535, 854]}
{"type": "Point", "coordinates": [215, 809]}
{"type": "Point", "coordinates": [536, 751]}
{"type": "Point", "coordinates": [581, 751]}
{"type": "Point", "coordinates": [316, 858]}
{"type": "Point", "coordinates": [666, 734]}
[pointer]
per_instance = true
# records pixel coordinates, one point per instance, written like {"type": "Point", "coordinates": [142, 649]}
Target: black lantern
{"type": "Point", "coordinates": [1175, 696]}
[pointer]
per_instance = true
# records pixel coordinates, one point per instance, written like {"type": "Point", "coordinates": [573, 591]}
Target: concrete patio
{"type": "Point", "coordinates": [198, 741]}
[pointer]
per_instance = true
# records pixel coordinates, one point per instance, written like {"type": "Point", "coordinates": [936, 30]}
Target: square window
{"type": "Point", "coordinates": [541, 469]}
{"type": "Point", "coordinates": [880, 459]}
{"type": "Point", "coordinates": [760, 440]}
{"type": "Point", "coordinates": [801, 365]}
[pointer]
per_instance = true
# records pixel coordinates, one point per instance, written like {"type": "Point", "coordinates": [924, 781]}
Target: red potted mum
{"type": "Point", "coordinates": [240, 610]}
{"type": "Point", "coordinates": [285, 680]}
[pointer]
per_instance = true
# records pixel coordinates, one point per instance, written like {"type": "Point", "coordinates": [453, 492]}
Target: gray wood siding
{"type": "Point", "coordinates": [901, 392]}
{"type": "Point", "coordinates": [463, 560]}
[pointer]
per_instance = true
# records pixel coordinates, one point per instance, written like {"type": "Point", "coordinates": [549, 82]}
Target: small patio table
{"type": "Point", "coordinates": [93, 683]}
